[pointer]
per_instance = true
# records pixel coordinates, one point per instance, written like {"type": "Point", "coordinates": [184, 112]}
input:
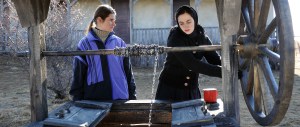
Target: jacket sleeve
{"type": "Point", "coordinates": [190, 61]}
{"type": "Point", "coordinates": [79, 78]}
{"type": "Point", "coordinates": [130, 79]}
{"type": "Point", "coordinates": [212, 57]}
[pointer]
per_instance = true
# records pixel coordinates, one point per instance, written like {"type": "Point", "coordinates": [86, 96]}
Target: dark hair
{"type": "Point", "coordinates": [102, 11]}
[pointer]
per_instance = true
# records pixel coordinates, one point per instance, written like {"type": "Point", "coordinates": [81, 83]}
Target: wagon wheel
{"type": "Point", "coordinates": [266, 92]}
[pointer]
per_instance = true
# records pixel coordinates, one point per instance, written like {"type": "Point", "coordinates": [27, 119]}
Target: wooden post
{"type": "Point", "coordinates": [38, 73]}
{"type": "Point", "coordinates": [229, 18]}
{"type": "Point", "coordinates": [32, 14]}
{"type": "Point", "coordinates": [230, 79]}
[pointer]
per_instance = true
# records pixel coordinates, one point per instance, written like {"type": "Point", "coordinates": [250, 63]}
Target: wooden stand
{"type": "Point", "coordinates": [136, 113]}
{"type": "Point", "coordinates": [130, 112]}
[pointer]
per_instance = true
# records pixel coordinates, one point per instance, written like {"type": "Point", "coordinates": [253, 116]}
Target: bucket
{"type": "Point", "coordinates": [210, 95]}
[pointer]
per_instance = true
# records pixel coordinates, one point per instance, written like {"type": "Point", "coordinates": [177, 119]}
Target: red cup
{"type": "Point", "coordinates": [210, 95]}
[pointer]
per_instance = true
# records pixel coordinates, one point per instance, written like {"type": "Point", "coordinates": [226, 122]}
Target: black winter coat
{"type": "Point", "coordinates": [182, 69]}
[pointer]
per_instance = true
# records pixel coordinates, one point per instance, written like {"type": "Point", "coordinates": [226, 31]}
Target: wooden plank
{"type": "Point", "coordinates": [182, 104]}
{"type": "Point", "coordinates": [229, 18]}
{"type": "Point", "coordinates": [88, 116]}
{"type": "Point", "coordinates": [38, 73]}
{"type": "Point", "coordinates": [138, 116]}
{"type": "Point", "coordinates": [137, 112]}
{"type": "Point", "coordinates": [31, 12]}
{"type": "Point", "coordinates": [229, 12]}
{"type": "Point", "coordinates": [92, 104]}
{"type": "Point", "coordinates": [189, 113]}
{"type": "Point", "coordinates": [129, 125]}
{"type": "Point", "coordinates": [89, 113]}
{"type": "Point", "coordinates": [230, 79]}
{"type": "Point", "coordinates": [127, 113]}
{"type": "Point", "coordinates": [140, 105]}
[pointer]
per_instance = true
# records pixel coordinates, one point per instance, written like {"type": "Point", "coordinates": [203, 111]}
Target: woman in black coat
{"type": "Point", "coordinates": [178, 80]}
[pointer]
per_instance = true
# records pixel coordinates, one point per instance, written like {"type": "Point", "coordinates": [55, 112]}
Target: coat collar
{"type": "Point", "coordinates": [91, 35]}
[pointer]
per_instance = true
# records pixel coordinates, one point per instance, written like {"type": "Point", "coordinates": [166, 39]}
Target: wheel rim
{"type": "Point", "coordinates": [267, 97]}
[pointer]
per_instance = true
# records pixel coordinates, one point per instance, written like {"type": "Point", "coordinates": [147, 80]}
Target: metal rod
{"type": "Point", "coordinates": [193, 48]}
{"type": "Point", "coordinates": [131, 50]}
{"type": "Point", "coordinates": [78, 53]}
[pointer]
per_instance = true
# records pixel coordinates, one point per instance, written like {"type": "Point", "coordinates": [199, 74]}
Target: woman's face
{"type": "Point", "coordinates": [108, 24]}
{"type": "Point", "coordinates": [186, 23]}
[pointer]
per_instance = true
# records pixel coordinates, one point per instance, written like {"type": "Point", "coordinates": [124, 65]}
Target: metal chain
{"type": "Point", "coordinates": [139, 50]}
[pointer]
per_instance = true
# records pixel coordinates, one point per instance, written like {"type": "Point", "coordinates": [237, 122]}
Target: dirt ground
{"type": "Point", "coordinates": [15, 95]}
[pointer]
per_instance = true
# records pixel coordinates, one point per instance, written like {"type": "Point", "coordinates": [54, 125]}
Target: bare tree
{"type": "Point", "coordinates": [13, 37]}
{"type": "Point", "coordinates": [60, 26]}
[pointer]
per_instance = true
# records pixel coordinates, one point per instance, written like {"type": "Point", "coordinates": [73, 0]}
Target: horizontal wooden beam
{"type": "Point", "coordinates": [31, 12]}
{"type": "Point", "coordinates": [129, 125]}
{"type": "Point", "coordinates": [140, 105]}
{"type": "Point", "coordinates": [138, 50]}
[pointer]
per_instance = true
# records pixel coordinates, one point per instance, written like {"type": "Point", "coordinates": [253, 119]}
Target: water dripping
{"type": "Point", "coordinates": [152, 89]}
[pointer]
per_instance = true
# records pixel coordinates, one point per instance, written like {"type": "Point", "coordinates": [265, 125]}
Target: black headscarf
{"type": "Point", "coordinates": [187, 9]}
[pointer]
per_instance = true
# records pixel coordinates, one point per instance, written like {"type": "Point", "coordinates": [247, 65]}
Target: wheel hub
{"type": "Point", "coordinates": [249, 46]}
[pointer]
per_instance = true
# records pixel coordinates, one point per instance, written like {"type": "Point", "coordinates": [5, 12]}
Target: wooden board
{"type": "Point", "coordinates": [137, 112]}
{"type": "Point", "coordinates": [190, 113]}
{"type": "Point", "coordinates": [229, 18]}
{"type": "Point", "coordinates": [78, 114]}
{"type": "Point", "coordinates": [32, 12]}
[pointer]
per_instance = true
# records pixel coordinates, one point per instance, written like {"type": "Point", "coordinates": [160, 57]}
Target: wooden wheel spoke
{"type": "Point", "coordinates": [245, 14]}
{"type": "Point", "coordinates": [268, 31]}
{"type": "Point", "coordinates": [251, 14]}
{"type": "Point", "coordinates": [264, 13]}
{"type": "Point", "coordinates": [257, 5]}
{"type": "Point", "coordinates": [266, 69]}
{"type": "Point", "coordinates": [244, 63]}
{"type": "Point", "coordinates": [257, 91]}
{"type": "Point", "coordinates": [270, 54]}
{"type": "Point", "coordinates": [267, 100]}
{"type": "Point", "coordinates": [267, 97]}
{"type": "Point", "coordinates": [249, 87]}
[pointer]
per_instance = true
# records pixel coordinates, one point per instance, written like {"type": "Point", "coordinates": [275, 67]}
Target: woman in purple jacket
{"type": "Point", "coordinates": [102, 77]}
